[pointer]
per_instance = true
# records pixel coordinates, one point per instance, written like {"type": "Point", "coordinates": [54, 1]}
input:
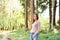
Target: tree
{"type": "Point", "coordinates": [59, 12]}
{"type": "Point", "coordinates": [31, 10]}
{"type": "Point", "coordinates": [26, 14]}
{"type": "Point", "coordinates": [54, 11]}
{"type": "Point", "coordinates": [50, 13]}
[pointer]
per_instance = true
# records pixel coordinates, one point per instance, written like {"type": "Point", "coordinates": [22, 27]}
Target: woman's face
{"type": "Point", "coordinates": [34, 17]}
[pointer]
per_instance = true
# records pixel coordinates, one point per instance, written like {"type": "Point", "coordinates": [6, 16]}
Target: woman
{"type": "Point", "coordinates": [35, 28]}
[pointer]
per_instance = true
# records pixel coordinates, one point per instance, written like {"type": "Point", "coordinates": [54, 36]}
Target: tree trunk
{"type": "Point", "coordinates": [54, 12]}
{"type": "Point", "coordinates": [50, 11]}
{"type": "Point", "coordinates": [31, 10]}
{"type": "Point", "coordinates": [26, 14]}
{"type": "Point", "coordinates": [59, 12]}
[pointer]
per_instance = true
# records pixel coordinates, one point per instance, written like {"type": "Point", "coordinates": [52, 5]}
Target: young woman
{"type": "Point", "coordinates": [35, 28]}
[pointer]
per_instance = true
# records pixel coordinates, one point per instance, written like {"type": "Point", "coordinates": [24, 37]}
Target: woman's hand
{"type": "Point", "coordinates": [33, 36]}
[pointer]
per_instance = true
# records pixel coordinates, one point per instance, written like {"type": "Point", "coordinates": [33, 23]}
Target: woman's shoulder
{"type": "Point", "coordinates": [38, 21]}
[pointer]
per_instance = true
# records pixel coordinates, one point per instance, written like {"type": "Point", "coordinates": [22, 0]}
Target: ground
{"type": "Point", "coordinates": [23, 35]}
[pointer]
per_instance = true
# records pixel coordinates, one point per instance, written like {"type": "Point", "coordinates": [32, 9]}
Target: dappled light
{"type": "Point", "coordinates": [17, 19]}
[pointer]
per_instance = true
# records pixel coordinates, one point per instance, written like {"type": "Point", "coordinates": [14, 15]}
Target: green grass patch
{"type": "Point", "coordinates": [23, 35]}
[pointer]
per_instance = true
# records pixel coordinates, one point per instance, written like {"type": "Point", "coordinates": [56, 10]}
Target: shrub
{"type": "Point", "coordinates": [55, 37]}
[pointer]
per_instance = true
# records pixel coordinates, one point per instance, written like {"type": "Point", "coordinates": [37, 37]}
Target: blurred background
{"type": "Point", "coordinates": [16, 18]}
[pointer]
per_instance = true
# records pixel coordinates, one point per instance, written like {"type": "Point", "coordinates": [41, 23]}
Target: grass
{"type": "Point", "coordinates": [23, 35]}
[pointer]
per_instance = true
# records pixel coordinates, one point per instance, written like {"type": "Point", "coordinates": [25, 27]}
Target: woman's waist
{"type": "Point", "coordinates": [33, 30]}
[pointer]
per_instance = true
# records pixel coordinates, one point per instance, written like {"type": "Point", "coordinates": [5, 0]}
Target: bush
{"type": "Point", "coordinates": [57, 27]}
{"type": "Point", "coordinates": [55, 37]}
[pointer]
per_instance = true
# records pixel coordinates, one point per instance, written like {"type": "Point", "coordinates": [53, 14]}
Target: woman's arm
{"type": "Point", "coordinates": [32, 16]}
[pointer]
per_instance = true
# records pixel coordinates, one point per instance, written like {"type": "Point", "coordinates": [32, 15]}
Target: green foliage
{"type": "Point", "coordinates": [21, 34]}
{"type": "Point", "coordinates": [11, 18]}
{"type": "Point", "coordinates": [22, 2]}
{"type": "Point", "coordinates": [55, 37]}
{"type": "Point", "coordinates": [42, 5]}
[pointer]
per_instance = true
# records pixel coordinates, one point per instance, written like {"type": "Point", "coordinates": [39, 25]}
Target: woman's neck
{"type": "Point", "coordinates": [35, 20]}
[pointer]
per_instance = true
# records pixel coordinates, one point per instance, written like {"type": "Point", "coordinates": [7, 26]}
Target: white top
{"type": "Point", "coordinates": [35, 27]}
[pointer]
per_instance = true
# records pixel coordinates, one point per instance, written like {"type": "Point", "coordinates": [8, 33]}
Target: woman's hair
{"type": "Point", "coordinates": [36, 18]}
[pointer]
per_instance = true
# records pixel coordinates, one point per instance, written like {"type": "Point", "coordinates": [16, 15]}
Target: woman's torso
{"type": "Point", "coordinates": [34, 27]}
